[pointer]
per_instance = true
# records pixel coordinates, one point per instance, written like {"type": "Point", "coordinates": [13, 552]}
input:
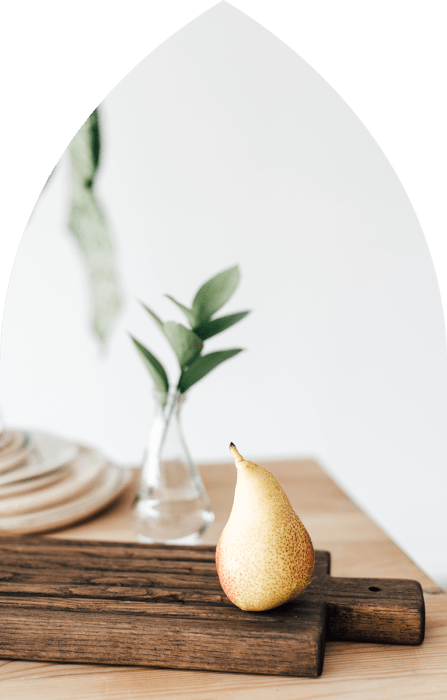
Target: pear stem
{"type": "Point", "coordinates": [235, 453]}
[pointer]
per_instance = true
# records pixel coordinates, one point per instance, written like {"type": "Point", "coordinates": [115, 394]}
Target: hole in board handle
{"type": "Point", "coordinates": [374, 589]}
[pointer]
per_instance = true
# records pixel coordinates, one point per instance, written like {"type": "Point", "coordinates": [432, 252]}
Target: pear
{"type": "Point", "coordinates": [264, 556]}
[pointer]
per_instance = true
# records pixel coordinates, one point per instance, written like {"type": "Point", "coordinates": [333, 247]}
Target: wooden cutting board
{"type": "Point", "coordinates": [156, 605]}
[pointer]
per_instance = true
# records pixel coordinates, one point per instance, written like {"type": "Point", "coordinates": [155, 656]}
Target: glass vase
{"type": "Point", "coordinates": [171, 505]}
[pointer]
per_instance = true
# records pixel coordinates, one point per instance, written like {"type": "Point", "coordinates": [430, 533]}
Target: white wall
{"type": "Point", "coordinates": [224, 147]}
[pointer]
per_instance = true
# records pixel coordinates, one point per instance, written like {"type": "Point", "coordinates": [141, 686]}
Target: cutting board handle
{"type": "Point", "coordinates": [387, 611]}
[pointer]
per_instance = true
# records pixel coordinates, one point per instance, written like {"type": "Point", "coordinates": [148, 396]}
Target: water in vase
{"type": "Point", "coordinates": [172, 505]}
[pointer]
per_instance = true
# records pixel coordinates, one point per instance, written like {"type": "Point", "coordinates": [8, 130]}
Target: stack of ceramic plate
{"type": "Point", "coordinates": [48, 483]}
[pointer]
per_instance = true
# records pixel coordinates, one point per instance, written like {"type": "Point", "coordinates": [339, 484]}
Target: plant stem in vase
{"type": "Point", "coordinates": [172, 505]}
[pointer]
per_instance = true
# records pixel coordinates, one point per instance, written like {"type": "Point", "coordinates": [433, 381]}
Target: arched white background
{"type": "Point", "coordinates": [224, 146]}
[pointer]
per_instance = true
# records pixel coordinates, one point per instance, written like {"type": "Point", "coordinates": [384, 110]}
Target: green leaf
{"type": "Point", "coordinates": [154, 316]}
{"type": "Point", "coordinates": [214, 293]}
{"type": "Point", "coordinates": [185, 343]}
{"type": "Point", "coordinates": [202, 365]}
{"type": "Point", "coordinates": [88, 226]}
{"type": "Point", "coordinates": [189, 313]}
{"type": "Point", "coordinates": [156, 370]}
{"type": "Point", "coordinates": [210, 328]}
{"type": "Point", "coordinates": [85, 150]}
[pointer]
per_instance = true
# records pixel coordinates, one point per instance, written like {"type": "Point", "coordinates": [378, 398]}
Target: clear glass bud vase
{"type": "Point", "coordinates": [172, 505]}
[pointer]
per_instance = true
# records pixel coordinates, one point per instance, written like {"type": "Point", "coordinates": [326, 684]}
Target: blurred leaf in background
{"type": "Point", "coordinates": [89, 228]}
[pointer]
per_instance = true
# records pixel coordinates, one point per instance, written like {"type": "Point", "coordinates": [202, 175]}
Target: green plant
{"type": "Point", "coordinates": [188, 343]}
{"type": "Point", "coordinates": [88, 226]}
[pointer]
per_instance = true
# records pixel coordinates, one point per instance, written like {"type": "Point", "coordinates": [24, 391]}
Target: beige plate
{"type": "Point", "coordinates": [110, 485]}
{"type": "Point", "coordinates": [14, 440]}
{"type": "Point", "coordinates": [15, 452]}
{"type": "Point", "coordinates": [15, 459]}
{"type": "Point", "coordinates": [35, 484]}
{"type": "Point", "coordinates": [5, 439]}
{"type": "Point", "coordinates": [86, 469]}
{"type": "Point", "coordinates": [46, 453]}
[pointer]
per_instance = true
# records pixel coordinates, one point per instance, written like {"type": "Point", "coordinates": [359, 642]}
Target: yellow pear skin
{"type": "Point", "coordinates": [264, 556]}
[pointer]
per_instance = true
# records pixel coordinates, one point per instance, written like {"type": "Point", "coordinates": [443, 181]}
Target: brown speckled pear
{"type": "Point", "coordinates": [264, 556]}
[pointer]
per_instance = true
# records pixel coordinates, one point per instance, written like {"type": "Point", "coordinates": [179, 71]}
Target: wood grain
{"type": "Point", "coordinates": [362, 671]}
{"type": "Point", "coordinates": [144, 605]}
{"type": "Point", "coordinates": [159, 605]}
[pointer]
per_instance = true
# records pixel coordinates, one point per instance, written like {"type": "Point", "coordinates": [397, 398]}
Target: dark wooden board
{"type": "Point", "coordinates": [156, 605]}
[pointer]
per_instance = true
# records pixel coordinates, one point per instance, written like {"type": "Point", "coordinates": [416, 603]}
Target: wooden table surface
{"type": "Point", "coordinates": [351, 671]}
